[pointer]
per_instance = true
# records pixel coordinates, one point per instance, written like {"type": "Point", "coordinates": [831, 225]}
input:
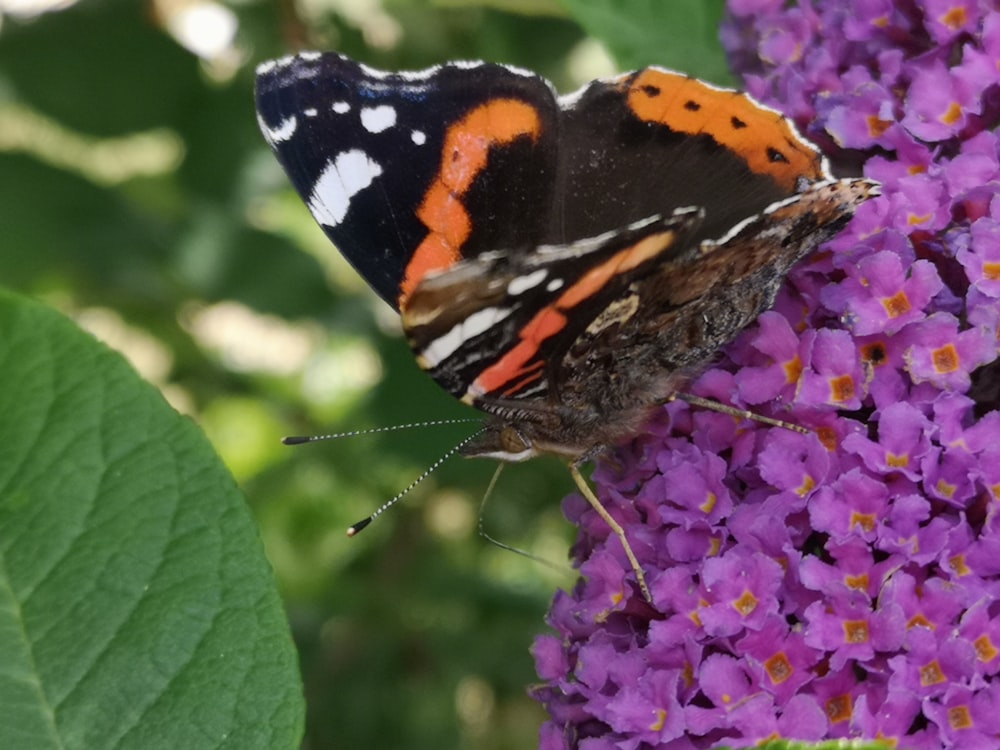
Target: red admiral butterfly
{"type": "Point", "coordinates": [564, 264]}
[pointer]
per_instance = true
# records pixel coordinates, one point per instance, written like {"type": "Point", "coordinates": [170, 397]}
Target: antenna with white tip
{"type": "Point", "coordinates": [355, 528]}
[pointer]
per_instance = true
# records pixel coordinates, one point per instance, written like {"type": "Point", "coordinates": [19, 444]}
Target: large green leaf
{"type": "Point", "coordinates": [136, 607]}
{"type": "Point", "coordinates": [680, 34]}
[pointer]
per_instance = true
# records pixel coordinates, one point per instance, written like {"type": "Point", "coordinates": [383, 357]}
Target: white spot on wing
{"type": "Point", "coordinates": [553, 285]}
{"type": "Point", "coordinates": [341, 108]}
{"type": "Point", "coordinates": [343, 178]}
{"type": "Point", "coordinates": [415, 76]}
{"type": "Point", "coordinates": [377, 119]}
{"type": "Point", "coordinates": [410, 76]}
{"type": "Point", "coordinates": [770, 209]}
{"type": "Point", "coordinates": [371, 72]}
{"type": "Point", "coordinates": [444, 346]}
{"type": "Point", "coordinates": [309, 56]}
{"type": "Point", "coordinates": [281, 62]}
{"type": "Point", "coordinates": [266, 67]}
{"type": "Point", "coordinates": [282, 132]}
{"type": "Point", "coordinates": [524, 283]}
{"type": "Point", "coordinates": [311, 112]}
{"type": "Point", "coordinates": [419, 137]}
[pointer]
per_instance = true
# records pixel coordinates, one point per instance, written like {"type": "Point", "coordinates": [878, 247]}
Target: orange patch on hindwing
{"type": "Point", "coordinates": [760, 136]}
{"type": "Point", "coordinates": [464, 156]}
{"type": "Point", "coordinates": [551, 319]}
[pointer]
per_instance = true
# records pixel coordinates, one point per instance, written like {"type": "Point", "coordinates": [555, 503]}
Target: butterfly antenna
{"type": "Point", "coordinates": [502, 545]}
{"type": "Point", "coordinates": [301, 439]}
{"type": "Point", "coordinates": [355, 528]}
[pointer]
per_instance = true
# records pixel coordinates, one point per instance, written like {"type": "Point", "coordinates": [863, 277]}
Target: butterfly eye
{"type": "Point", "coordinates": [512, 441]}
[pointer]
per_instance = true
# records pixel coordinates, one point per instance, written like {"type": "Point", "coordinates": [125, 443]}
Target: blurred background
{"type": "Point", "coordinates": [137, 196]}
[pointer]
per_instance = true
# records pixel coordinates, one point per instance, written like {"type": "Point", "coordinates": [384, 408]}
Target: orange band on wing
{"type": "Point", "coordinates": [761, 136]}
{"type": "Point", "coordinates": [551, 319]}
{"type": "Point", "coordinates": [463, 157]}
{"type": "Point", "coordinates": [531, 374]}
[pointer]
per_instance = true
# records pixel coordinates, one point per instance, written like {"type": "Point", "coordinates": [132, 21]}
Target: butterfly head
{"type": "Point", "coordinates": [500, 441]}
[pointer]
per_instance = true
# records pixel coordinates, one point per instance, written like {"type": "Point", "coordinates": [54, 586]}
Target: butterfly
{"type": "Point", "coordinates": [563, 264]}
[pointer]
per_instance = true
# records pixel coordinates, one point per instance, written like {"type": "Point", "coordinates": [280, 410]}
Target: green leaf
{"type": "Point", "coordinates": [136, 607]}
{"type": "Point", "coordinates": [679, 34]}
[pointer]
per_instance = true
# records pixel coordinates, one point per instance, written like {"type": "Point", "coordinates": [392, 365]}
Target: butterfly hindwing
{"type": "Point", "coordinates": [496, 326]}
{"type": "Point", "coordinates": [638, 342]}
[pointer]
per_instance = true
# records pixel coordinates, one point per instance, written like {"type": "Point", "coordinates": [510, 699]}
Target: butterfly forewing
{"type": "Point", "coordinates": [403, 171]}
{"type": "Point", "coordinates": [652, 141]}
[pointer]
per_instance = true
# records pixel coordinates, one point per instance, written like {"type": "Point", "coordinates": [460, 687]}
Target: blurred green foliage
{"type": "Point", "coordinates": [137, 194]}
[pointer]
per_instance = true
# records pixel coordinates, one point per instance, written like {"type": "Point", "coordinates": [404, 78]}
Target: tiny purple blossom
{"type": "Point", "coordinates": [934, 660]}
{"type": "Point", "coordinates": [647, 709]}
{"type": "Point", "coordinates": [891, 717]}
{"type": "Point", "coordinates": [739, 588]}
{"type": "Point", "coordinates": [790, 461]}
{"type": "Point", "coordinates": [983, 633]}
{"type": "Point", "coordinates": [967, 717]}
{"type": "Point", "coordinates": [948, 475]}
{"type": "Point", "coordinates": [853, 569]}
{"type": "Point", "coordinates": [863, 116]}
{"type": "Point", "coordinates": [946, 19]}
{"type": "Point", "coordinates": [980, 257]}
{"type": "Point", "coordinates": [903, 441]}
{"type": "Point", "coordinates": [778, 375]}
{"type": "Point", "coordinates": [872, 18]}
{"type": "Point", "coordinates": [938, 103]}
{"type": "Point", "coordinates": [833, 375]}
{"type": "Point", "coordinates": [693, 492]}
{"type": "Point", "coordinates": [550, 658]}
{"type": "Point", "coordinates": [880, 295]}
{"type": "Point", "coordinates": [854, 505]}
{"type": "Point", "coordinates": [974, 167]}
{"type": "Point", "coordinates": [944, 356]}
{"type": "Point", "coordinates": [952, 415]}
{"type": "Point", "coordinates": [852, 631]}
{"type": "Point", "coordinates": [779, 660]}
{"type": "Point", "coordinates": [919, 205]}
{"type": "Point", "coordinates": [802, 718]}
{"type": "Point", "coordinates": [837, 693]}
{"type": "Point", "coordinates": [930, 603]}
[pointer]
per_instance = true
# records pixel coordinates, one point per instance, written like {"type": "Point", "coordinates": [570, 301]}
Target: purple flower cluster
{"type": "Point", "coordinates": [844, 582]}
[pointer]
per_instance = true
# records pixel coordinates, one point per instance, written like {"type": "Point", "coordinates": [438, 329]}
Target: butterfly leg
{"type": "Point", "coordinates": [581, 484]}
{"type": "Point", "coordinates": [707, 403]}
